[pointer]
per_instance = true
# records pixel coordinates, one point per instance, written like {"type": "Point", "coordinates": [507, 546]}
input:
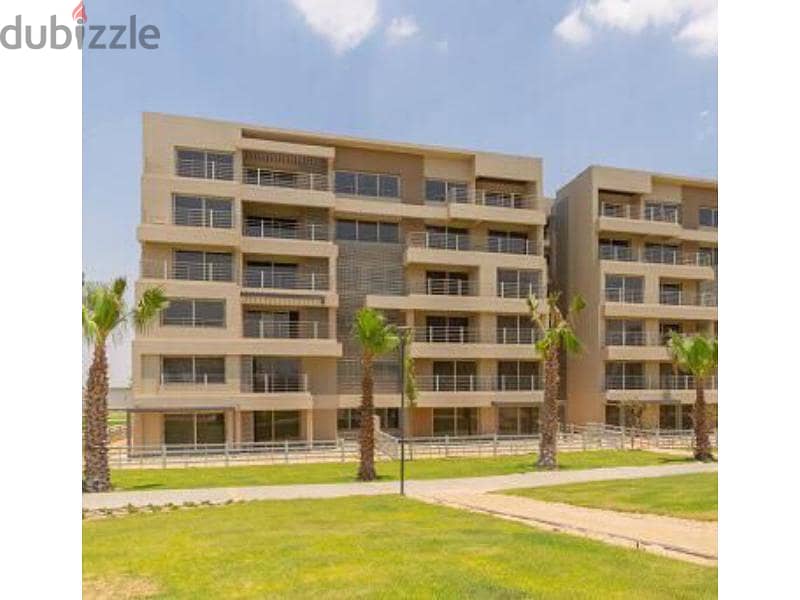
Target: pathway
{"type": "Point", "coordinates": [431, 487]}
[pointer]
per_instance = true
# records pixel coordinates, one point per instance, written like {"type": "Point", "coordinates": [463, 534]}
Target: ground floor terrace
{"type": "Point", "coordinates": [226, 425]}
{"type": "Point", "coordinates": [668, 415]}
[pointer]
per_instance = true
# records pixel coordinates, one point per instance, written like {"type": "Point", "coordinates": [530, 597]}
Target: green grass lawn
{"type": "Point", "coordinates": [687, 496]}
{"type": "Point", "coordinates": [142, 479]}
{"type": "Point", "coordinates": [364, 547]}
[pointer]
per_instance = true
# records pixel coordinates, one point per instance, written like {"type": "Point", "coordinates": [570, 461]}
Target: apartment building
{"type": "Point", "coordinates": [268, 241]}
{"type": "Point", "coordinates": [642, 249]}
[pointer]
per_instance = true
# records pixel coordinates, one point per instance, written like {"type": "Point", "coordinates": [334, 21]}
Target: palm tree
{"type": "Point", "coordinates": [104, 314]}
{"type": "Point", "coordinates": [376, 338]}
{"type": "Point", "coordinates": [556, 331]}
{"type": "Point", "coordinates": [696, 354]}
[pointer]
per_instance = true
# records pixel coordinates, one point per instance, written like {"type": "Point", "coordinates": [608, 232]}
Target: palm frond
{"type": "Point", "coordinates": [150, 305]}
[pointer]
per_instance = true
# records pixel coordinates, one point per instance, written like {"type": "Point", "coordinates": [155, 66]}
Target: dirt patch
{"type": "Point", "coordinates": [122, 587]}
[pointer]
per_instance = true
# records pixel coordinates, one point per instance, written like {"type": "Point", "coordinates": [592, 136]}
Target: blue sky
{"type": "Point", "coordinates": [576, 83]}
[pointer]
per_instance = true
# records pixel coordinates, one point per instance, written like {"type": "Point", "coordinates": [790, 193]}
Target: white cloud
{"type": "Point", "coordinates": [694, 22]}
{"type": "Point", "coordinates": [572, 28]}
{"type": "Point", "coordinates": [343, 23]}
{"type": "Point", "coordinates": [401, 28]}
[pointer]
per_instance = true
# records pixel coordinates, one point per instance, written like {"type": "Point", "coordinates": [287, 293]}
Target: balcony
{"type": "Point", "coordinates": [661, 257]}
{"type": "Point", "coordinates": [663, 388]}
{"type": "Point", "coordinates": [511, 289]}
{"type": "Point", "coordinates": [474, 390]}
{"type": "Point", "coordinates": [187, 271]}
{"type": "Point", "coordinates": [457, 250]}
{"type": "Point", "coordinates": [297, 180]}
{"type": "Point", "coordinates": [667, 263]}
{"type": "Point", "coordinates": [286, 330]}
{"type": "Point", "coordinates": [298, 239]}
{"type": "Point", "coordinates": [632, 218]}
{"type": "Point", "coordinates": [671, 305]}
{"type": "Point", "coordinates": [208, 227]}
{"type": "Point", "coordinates": [287, 187]}
{"type": "Point", "coordinates": [486, 205]}
{"type": "Point", "coordinates": [451, 343]}
{"type": "Point", "coordinates": [272, 383]}
{"type": "Point", "coordinates": [263, 279]}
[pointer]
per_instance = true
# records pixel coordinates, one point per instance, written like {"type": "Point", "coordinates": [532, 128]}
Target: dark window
{"type": "Point", "coordinates": [435, 190]}
{"type": "Point", "coordinates": [367, 185]}
{"type": "Point", "coordinates": [389, 186]}
{"type": "Point", "coordinates": [367, 231]}
{"type": "Point", "coordinates": [194, 313]}
{"type": "Point", "coordinates": [346, 230]}
{"type": "Point", "coordinates": [345, 182]}
{"type": "Point", "coordinates": [708, 216]}
{"type": "Point", "coordinates": [205, 165]}
{"type": "Point", "coordinates": [389, 233]}
{"type": "Point", "coordinates": [509, 242]}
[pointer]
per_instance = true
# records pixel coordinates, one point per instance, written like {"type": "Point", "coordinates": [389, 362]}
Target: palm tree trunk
{"type": "Point", "coordinates": [548, 418]}
{"type": "Point", "coordinates": [366, 438]}
{"type": "Point", "coordinates": [95, 437]}
{"type": "Point", "coordinates": [702, 447]}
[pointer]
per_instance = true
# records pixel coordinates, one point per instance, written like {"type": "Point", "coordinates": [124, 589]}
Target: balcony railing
{"type": "Point", "coordinates": [624, 296]}
{"type": "Point", "coordinates": [445, 287]}
{"type": "Point", "coordinates": [488, 198]}
{"type": "Point", "coordinates": [186, 271]}
{"type": "Point", "coordinates": [258, 328]}
{"type": "Point", "coordinates": [635, 338]}
{"type": "Point", "coordinates": [255, 227]}
{"type": "Point", "coordinates": [470, 335]}
{"type": "Point", "coordinates": [618, 253]}
{"type": "Point", "coordinates": [663, 382]}
{"type": "Point", "coordinates": [270, 383]}
{"type": "Point", "coordinates": [478, 383]}
{"type": "Point", "coordinates": [681, 298]}
{"type": "Point", "coordinates": [455, 241]}
{"type": "Point", "coordinates": [300, 180]}
{"type": "Point", "coordinates": [511, 289]}
{"type": "Point", "coordinates": [199, 217]}
{"type": "Point", "coordinates": [189, 379]}
{"type": "Point", "coordinates": [285, 281]}
{"type": "Point", "coordinates": [447, 335]}
{"type": "Point", "coordinates": [647, 213]}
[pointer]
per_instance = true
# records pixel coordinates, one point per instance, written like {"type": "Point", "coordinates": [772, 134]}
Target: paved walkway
{"type": "Point", "coordinates": [695, 541]}
{"type": "Point", "coordinates": [431, 487]}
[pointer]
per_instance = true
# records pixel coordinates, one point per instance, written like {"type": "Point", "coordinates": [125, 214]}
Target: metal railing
{"type": "Point", "coordinates": [626, 296]}
{"type": "Point", "coordinates": [258, 278]}
{"type": "Point", "coordinates": [647, 213]}
{"type": "Point", "coordinates": [634, 338]}
{"type": "Point", "coordinates": [447, 334]}
{"type": "Point", "coordinates": [463, 242]}
{"type": "Point", "coordinates": [445, 287]}
{"type": "Point", "coordinates": [654, 256]}
{"type": "Point", "coordinates": [208, 169]}
{"type": "Point", "coordinates": [516, 335]}
{"type": "Point", "coordinates": [271, 383]}
{"type": "Point", "coordinates": [192, 379]}
{"type": "Point", "coordinates": [478, 383]}
{"type": "Point", "coordinates": [301, 180]}
{"type": "Point", "coordinates": [260, 328]}
{"type": "Point", "coordinates": [510, 289]}
{"type": "Point", "coordinates": [196, 321]}
{"type": "Point", "coordinates": [661, 382]}
{"type": "Point", "coordinates": [256, 227]}
{"type": "Point", "coordinates": [681, 298]}
{"type": "Point", "coordinates": [487, 198]}
{"type": "Point", "coordinates": [166, 269]}
{"type": "Point", "coordinates": [203, 217]}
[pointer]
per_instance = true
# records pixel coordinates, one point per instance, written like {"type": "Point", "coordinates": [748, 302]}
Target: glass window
{"type": "Point", "coordinates": [389, 186]}
{"type": "Point", "coordinates": [210, 428]}
{"type": "Point", "coordinates": [390, 233]}
{"type": "Point", "coordinates": [287, 425]}
{"type": "Point", "coordinates": [367, 184]}
{"type": "Point", "coordinates": [435, 190]}
{"type": "Point", "coordinates": [209, 369]}
{"type": "Point", "coordinates": [205, 165]}
{"type": "Point", "coordinates": [219, 166]}
{"type": "Point", "coordinates": [178, 312]}
{"type": "Point", "coordinates": [708, 216]}
{"type": "Point", "coordinates": [179, 429]}
{"type": "Point", "coordinates": [209, 313]}
{"type": "Point", "coordinates": [177, 369]}
{"type": "Point", "coordinates": [191, 163]}
{"type": "Point", "coordinates": [367, 231]}
{"type": "Point", "coordinates": [188, 210]}
{"type": "Point", "coordinates": [346, 230]}
{"type": "Point", "coordinates": [345, 182]}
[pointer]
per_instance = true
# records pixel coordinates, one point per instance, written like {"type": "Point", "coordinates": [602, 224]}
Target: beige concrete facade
{"type": "Point", "coordinates": [267, 241]}
{"type": "Point", "coordinates": [642, 249]}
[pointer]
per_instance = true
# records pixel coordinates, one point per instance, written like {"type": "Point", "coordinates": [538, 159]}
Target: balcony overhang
{"type": "Point", "coordinates": [660, 311]}
{"type": "Point", "coordinates": [289, 247]}
{"type": "Point", "coordinates": [287, 196]}
{"type": "Point", "coordinates": [485, 304]}
{"type": "Point", "coordinates": [704, 273]}
{"type": "Point", "coordinates": [658, 396]}
{"type": "Point", "coordinates": [495, 214]}
{"type": "Point", "coordinates": [638, 353]}
{"type": "Point", "coordinates": [464, 258]}
{"type": "Point", "coordinates": [196, 236]}
{"type": "Point", "coordinates": [325, 348]}
{"type": "Point", "coordinates": [282, 297]}
{"type": "Point", "coordinates": [639, 227]}
{"type": "Point", "coordinates": [276, 147]}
